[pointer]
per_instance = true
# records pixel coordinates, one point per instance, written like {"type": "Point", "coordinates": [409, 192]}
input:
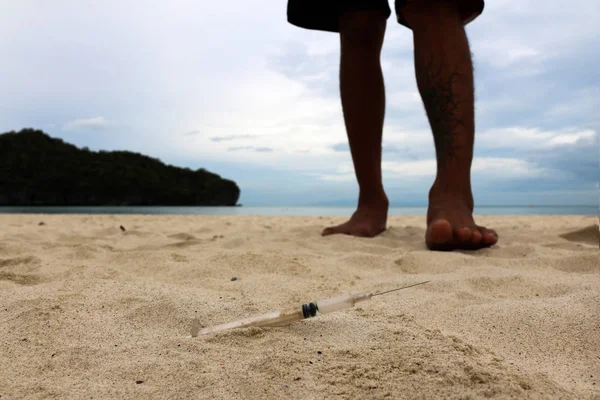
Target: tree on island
{"type": "Point", "coordinates": [36, 169]}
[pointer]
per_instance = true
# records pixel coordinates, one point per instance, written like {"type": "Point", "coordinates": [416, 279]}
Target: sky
{"type": "Point", "coordinates": [234, 88]}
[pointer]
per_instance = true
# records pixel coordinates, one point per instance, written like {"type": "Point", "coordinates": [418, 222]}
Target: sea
{"type": "Point", "coordinates": [293, 211]}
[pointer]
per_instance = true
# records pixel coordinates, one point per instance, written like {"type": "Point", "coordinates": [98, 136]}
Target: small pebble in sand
{"type": "Point", "coordinates": [122, 228]}
{"type": "Point", "coordinates": [42, 223]}
{"type": "Point", "coordinates": [234, 279]}
{"type": "Point", "coordinates": [139, 382]}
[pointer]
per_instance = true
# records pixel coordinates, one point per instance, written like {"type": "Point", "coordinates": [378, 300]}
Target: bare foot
{"type": "Point", "coordinates": [450, 224]}
{"type": "Point", "coordinates": [368, 220]}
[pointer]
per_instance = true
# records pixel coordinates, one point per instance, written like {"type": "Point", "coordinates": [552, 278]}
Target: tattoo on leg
{"type": "Point", "coordinates": [441, 105]}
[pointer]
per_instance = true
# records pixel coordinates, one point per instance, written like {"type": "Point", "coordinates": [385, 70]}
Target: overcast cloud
{"type": "Point", "coordinates": [232, 87]}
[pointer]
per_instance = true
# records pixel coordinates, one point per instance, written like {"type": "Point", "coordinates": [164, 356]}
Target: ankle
{"type": "Point", "coordinates": [452, 189]}
{"type": "Point", "coordinates": [373, 198]}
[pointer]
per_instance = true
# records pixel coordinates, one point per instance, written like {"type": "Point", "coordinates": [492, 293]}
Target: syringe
{"type": "Point", "coordinates": [283, 317]}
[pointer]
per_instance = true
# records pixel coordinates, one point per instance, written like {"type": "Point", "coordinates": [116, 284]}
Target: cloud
{"type": "Point", "coordinates": [405, 100]}
{"type": "Point", "coordinates": [584, 137]}
{"type": "Point", "coordinates": [507, 52]}
{"type": "Point", "coordinates": [386, 149]}
{"type": "Point", "coordinates": [95, 123]}
{"type": "Point", "coordinates": [524, 139]}
{"type": "Point", "coordinates": [341, 147]}
{"type": "Point", "coordinates": [251, 148]}
{"type": "Point", "coordinates": [506, 168]}
{"type": "Point", "coordinates": [345, 177]}
{"type": "Point", "coordinates": [231, 137]}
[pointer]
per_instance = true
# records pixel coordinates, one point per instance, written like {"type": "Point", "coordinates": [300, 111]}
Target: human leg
{"type": "Point", "coordinates": [444, 74]}
{"type": "Point", "coordinates": [363, 103]}
{"type": "Point", "coordinates": [361, 25]}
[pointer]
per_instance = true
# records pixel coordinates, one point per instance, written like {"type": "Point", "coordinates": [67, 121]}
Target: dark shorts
{"type": "Point", "coordinates": [323, 15]}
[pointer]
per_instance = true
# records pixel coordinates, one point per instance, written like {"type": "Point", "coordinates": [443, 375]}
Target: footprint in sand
{"type": "Point", "coordinates": [10, 262]}
{"type": "Point", "coordinates": [588, 235]}
{"type": "Point", "coordinates": [185, 243]}
{"type": "Point", "coordinates": [182, 236]}
{"type": "Point", "coordinates": [19, 279]}
{"type": "Point", "coordinates": [185, 240]}
{"type": "Point", "coordinates": [19, 270]}
{"type": "Point", "coordinates": [418, 262]}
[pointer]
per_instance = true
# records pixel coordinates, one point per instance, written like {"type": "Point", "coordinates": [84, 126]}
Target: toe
{"type": "Point", "coordinates": [332, 230]}
{"type": "Point", "coordinates": [476, 237]}
{"type": "Point", "coordinates": [463, 234]}
{"type": "Point", "coordinates": [489, 236]}
{"type": "Point", "coordinates": [439, 235]}
{"type": "Point", "coordinates": [343, 229]}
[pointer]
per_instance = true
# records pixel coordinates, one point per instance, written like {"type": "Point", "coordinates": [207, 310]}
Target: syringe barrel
{"type": "Point", "coordinates": [339, 303]}
{"type": "Point", "coordinates": [257, 320]}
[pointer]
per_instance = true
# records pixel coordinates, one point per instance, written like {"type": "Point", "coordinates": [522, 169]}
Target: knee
{"type": "Point", "coordinates": [364, 29]}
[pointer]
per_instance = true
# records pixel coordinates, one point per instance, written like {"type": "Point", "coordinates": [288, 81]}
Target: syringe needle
{"type": "Point", "coordinates": [395, 290]}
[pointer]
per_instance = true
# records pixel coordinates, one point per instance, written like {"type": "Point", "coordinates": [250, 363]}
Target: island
{"type": "Point", "coordinates": [39, 170]}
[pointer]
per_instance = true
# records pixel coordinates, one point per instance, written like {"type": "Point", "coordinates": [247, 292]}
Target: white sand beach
{"type": "Point", "coordinates": [88, 310]}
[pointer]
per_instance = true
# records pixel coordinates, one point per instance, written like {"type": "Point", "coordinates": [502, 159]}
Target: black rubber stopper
{"type": "Point", "coordinates": [309, 310]}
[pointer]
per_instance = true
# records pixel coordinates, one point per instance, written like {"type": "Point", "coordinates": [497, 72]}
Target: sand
{"type": "Point", "coordinates": [88, 310]}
